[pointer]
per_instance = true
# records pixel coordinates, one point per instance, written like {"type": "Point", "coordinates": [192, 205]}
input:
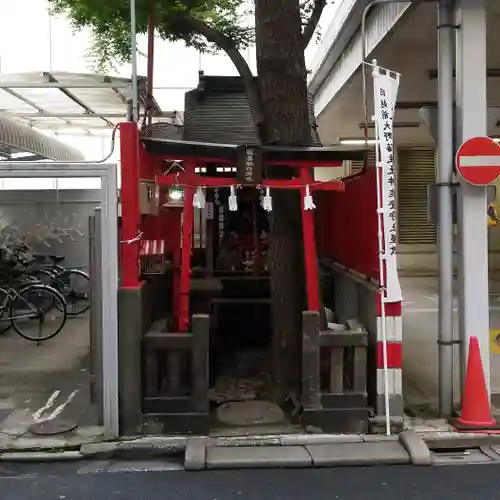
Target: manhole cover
{"type": "Point", "coordinates": [250, 413]}
{"type": "Point", "coordinates": [51, 427]}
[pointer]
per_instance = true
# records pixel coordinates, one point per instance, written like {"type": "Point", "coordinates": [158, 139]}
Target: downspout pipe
{"type": "Point", "coordinates": [444, 180]}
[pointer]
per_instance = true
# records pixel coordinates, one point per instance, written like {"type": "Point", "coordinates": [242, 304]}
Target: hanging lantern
{"type": "Point", "coordinates": [175, 197]}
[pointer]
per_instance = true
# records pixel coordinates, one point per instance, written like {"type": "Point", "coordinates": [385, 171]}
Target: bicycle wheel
{"type": "Point", "coordinates": [74, 285]}
{"type": "Point", "coordinates": [5, 323]}
{"type": "Point", "coordinates": [33, 308]}
{"type": "Point", "coordinates": [44, 276]}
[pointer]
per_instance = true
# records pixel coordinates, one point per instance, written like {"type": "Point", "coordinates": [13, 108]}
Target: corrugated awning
{"type": "Point", "coordinates": [81, 102]}
{"type": "Point", "coordinates": [21, 143]}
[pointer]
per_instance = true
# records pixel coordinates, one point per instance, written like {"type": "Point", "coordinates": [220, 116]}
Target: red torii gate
{"type": "Point", "coordinates": [143, 158]}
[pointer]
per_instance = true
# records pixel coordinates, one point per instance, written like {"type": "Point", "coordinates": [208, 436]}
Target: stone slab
{"type": "Point", "coordinates": [344, 454]}
{"type": "Point", "coordinates": [427, 425]}
{"type": "Point", "coordinates": [196, 452]}
{"type": "Point", "coordinates": [257, 457]}
{"type": "Point", "coordinates": [371, 438]}
{"type": "Point", "coordinates": [416, 447]}
{"type": "Point", "coordinates": [287, 439]}
{"type": "Point", "coordinates": [305, 439]}
{"type": "Point", "coordinates": [156, 444]}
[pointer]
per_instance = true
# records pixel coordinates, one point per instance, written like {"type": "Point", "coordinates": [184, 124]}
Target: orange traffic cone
{"type": "Point", "coordinates": [476, 410]}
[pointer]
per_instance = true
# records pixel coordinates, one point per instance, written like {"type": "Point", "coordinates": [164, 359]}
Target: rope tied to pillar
{"type": "Point", "coordinates": [133, 240]}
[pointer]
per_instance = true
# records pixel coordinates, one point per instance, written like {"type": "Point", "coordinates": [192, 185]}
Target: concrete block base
{"type": "Point", "coordinates": [131, 317]}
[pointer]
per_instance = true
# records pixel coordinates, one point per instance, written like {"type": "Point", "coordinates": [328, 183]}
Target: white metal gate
{"type": "Point", "coordinates": [109, 245]}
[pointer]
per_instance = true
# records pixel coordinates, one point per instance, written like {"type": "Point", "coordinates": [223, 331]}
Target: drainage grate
{"type": "Point", "coordinates": [459, 456]}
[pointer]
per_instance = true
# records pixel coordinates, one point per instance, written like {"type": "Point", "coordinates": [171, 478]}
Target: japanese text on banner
{"type": "Point", "coordinates": [386, 89]}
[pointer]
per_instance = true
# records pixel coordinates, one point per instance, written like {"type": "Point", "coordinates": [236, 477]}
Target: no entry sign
{"type": "Point", "coordinates": [478, 161]}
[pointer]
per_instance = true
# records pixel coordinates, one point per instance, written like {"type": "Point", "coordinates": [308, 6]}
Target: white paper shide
{"type": "Point", "coordinates": [385, 86]}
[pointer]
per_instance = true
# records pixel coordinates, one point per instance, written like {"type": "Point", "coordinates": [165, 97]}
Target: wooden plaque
{"type": "Point", "coordinates": [249, 168]}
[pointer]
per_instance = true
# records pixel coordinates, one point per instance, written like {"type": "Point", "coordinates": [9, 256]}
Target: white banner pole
{"type": "Point", "coordinates": [384, 104]}
{"type": "Point", "coordinates": [381, 290]}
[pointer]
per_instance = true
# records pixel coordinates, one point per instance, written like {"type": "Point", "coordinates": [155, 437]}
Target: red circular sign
{"type": "Point", "coordinates": [478, 161]}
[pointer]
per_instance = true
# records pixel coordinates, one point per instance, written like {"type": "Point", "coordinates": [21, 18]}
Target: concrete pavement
{"type": "Point", "coordinates": [420, 350]}
{"type": "Point", "coordinates": [49, 383]}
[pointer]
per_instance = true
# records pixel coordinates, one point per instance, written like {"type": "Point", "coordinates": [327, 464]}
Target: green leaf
{"type": "Point", "coordinates": [109, 24]}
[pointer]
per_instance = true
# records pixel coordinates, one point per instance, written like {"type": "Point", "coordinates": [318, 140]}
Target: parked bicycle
{"type": "Point", "coordinates": [73, 284]}
{"type": "Point", "coordinates": [36, 311]}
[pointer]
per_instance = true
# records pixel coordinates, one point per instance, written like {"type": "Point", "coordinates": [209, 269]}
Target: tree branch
{"type": "Point", "coordinates": [313, 21]}
{"type": "Point", "coordinates": [227, 45]}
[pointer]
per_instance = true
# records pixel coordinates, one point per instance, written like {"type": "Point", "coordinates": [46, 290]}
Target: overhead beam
{"type": "Point", "coordinates": [490, 73]}
{"type": "Point", "coordinates": [371, 125]}
{"type": "Point", "coordinates": [415, 104]}
{"type": "Point", "coordinates": [58, 85]}
{"type": "Point", "coordinates": [44, 114]}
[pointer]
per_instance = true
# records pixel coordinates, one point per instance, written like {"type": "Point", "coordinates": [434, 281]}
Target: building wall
{"type": "Point", "coordinates": [343, 114]}
{"type": "Point", "coordinates": [417, 252]}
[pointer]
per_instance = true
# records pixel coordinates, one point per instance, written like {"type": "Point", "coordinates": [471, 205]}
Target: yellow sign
{"type": "Point", "coordinates": [492, 215]}
{"type": "Point", "coordinates": [495, 341]}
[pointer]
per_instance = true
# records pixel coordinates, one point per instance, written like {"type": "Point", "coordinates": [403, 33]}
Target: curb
{"type": "Point", "coordinates": [419, 446]}
{"type": "Point", "coordinates": [419, 452]}
{"type": "Point", "coordinates": [142, 447]}
{"type": "Point", "coordinates": [40, 456]}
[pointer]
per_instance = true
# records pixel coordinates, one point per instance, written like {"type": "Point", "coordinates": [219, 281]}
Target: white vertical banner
{"type": "Point", "coordinates": [385, 85]}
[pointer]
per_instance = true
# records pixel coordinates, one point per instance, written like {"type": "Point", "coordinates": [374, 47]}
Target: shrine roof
{"type": "Point", "coordinates": [179, 150]}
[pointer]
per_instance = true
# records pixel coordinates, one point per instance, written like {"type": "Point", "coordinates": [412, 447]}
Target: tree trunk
{"type": "Point", "coordinates": [283, 95]}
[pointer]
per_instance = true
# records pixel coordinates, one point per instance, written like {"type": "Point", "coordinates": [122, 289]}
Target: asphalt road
{"type": "Point", "coordinates": [74, 482]}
